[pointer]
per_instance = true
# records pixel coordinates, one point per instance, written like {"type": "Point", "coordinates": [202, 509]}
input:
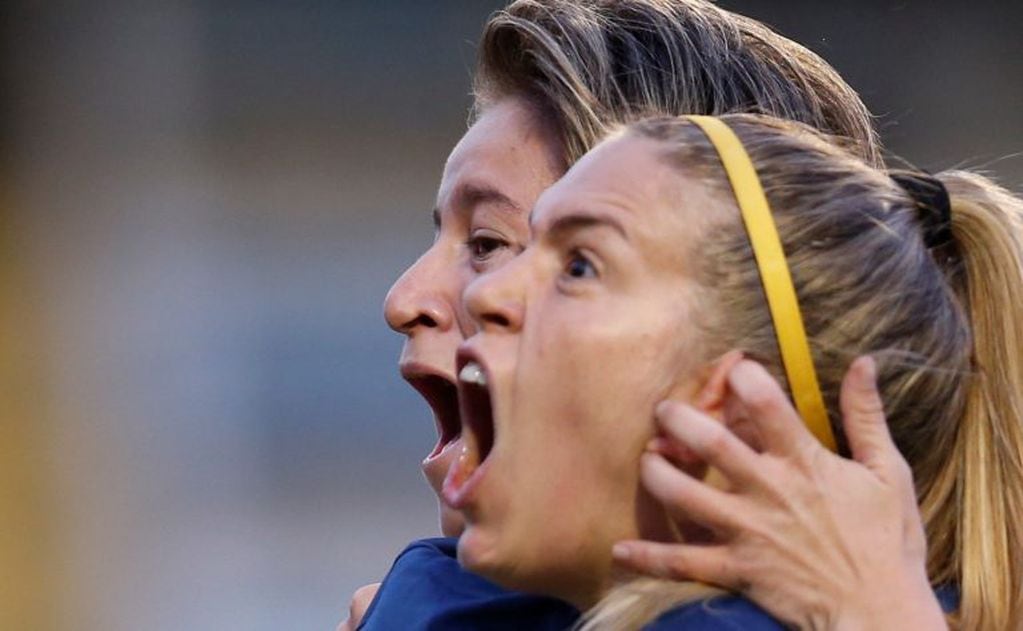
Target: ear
{"type": "Point", "coordinates": [712, 396]}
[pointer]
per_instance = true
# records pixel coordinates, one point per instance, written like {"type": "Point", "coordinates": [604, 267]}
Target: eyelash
{"type": "Point", "coordinates": [576, 256]}
{"type": "Point", "coordinates": [478, 242]}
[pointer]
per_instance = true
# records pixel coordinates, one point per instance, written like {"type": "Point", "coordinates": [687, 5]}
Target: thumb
{"type": "Point", "coordinates": [863, 415]}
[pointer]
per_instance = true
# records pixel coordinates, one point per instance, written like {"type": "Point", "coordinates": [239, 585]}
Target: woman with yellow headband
{"type": "Point", "coordinates": [663, 259]}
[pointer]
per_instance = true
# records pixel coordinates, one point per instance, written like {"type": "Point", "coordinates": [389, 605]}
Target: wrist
{"type": "Point", "coordinates": [906, 603]}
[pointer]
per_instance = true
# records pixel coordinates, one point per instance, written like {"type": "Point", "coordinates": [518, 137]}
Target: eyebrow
{"type": "Point", "coordinates": [472, 195]}
{"type": "Point", "coordinates": [562, 226]}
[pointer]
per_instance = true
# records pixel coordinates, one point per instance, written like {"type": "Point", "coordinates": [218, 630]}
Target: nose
{"type": "Point", "coordinates": [496, 300]}
{"type": "Point", "coordinates": [423, 297]}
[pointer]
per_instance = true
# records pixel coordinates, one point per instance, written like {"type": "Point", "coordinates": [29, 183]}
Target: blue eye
{"type": "Point", "coordinates": [579, 266]}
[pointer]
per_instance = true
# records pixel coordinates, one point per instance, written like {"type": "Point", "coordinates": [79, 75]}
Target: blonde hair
{"type": "Point", "coordinates": [944, 323]}
{"type": "Point", "coordinates": [588, 65]}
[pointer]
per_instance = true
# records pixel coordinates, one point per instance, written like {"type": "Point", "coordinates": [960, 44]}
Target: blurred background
{"type": "Point", "coordinates": [202, 205]}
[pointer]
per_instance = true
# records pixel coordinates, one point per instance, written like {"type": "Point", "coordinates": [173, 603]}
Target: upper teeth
{"type": "Point", "coordinates": [472, 373]}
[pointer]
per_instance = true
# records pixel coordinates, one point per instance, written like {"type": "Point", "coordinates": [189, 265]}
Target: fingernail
{"type": "Point", "coordinates": [621, 552]}
{"type": "Point", "coordinates": [868, 370]}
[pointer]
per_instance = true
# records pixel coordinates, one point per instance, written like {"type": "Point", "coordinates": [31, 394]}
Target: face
{"type": "Point", "coordinates": [490, 182]}
{"type": "Point", "coordinates": [579, 338]}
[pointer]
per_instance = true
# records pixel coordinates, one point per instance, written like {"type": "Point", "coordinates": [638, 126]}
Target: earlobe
{"type": "Point", "coordinates": [712, 396]}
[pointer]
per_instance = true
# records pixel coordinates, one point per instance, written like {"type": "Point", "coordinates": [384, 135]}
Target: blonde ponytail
{"type": "Point", "coordinates": [983, 477]}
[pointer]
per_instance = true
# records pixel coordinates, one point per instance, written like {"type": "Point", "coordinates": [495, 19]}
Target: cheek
{"type": "Point", "coordinates": [577, 473]}
{"type": "Point", "coordinates": [581, 415]}
{"type": "Point", "coordinates": [595, 391]}
{"type": "Point", "coordinates": [559, 519]}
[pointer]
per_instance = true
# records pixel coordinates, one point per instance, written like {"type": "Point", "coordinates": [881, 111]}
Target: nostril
{"type": "Point", "coordinates": [422, 320]}
{"type": "Point", "coordinates": [419, 316]}
{"type": "Point", "coordinates": [494, 300]}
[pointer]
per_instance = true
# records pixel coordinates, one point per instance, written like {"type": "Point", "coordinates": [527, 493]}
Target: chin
{"type": "Point", "coordinates": [478, 552]}
{"type": "Point", "coordinates": [522, 569]}
{"type": "Point", "coordinates": [485, 554]}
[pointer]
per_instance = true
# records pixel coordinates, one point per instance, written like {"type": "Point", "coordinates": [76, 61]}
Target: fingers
{"type": "Point", "coordinates": [686, 498]}
{"type": "Point", "coordinates": [779, 426]}
{"type": "Point", "coordinates": [711, 441]}
{"type": "Point", "coordinates": [678, 561]}
{"type": "Point", "coordinates": [867, 432]}
{"type": "Point", "coordinates": [677, 453]}
{"type": "Point", "coordinates": [863, 415]}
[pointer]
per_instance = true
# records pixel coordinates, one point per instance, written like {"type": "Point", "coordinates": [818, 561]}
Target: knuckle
{"type": "Point", "coordinates": [677, 568]}
{"type": "Point", "coordinates": [719, 442]}
{"type": "Point", "coordinates": [677, 495]}
{"type": "Point", "coordinates": [805, 462]}
{"type": "Point", "coordinates": [907, 471]}
{"type": "Point", "coordinates": [867, 403]}
{"type": "Point", "coordinates": [902, 471]}
{"type": "Point", "coordinates": [759, 537]}
{"type": "Point", "coordinates": [728, 575]}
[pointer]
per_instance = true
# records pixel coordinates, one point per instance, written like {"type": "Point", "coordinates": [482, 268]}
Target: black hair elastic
{"type": "Point", "coordinates": [934, 209]}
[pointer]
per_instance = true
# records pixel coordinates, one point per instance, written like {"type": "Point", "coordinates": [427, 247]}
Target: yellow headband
{"type": "Point", "coordinates": [774, 273]}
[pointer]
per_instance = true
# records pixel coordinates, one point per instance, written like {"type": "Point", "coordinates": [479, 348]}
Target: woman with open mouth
{"type": "Point", "coordinates": [551, 76]}
{"type": "Point", "coordinates": [649, 263]}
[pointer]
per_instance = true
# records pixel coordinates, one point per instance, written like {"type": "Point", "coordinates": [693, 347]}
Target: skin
{"type": "Point", "coordinates": [857, 518]}
{"type": "Point", "coordinates": [361, 600]}
{"type": "Point", "coordinates": [585, 305]}
{"type": "Point", "coordinates": [492, 179]}
{"type": "Point", "coordinates": [601, 299]}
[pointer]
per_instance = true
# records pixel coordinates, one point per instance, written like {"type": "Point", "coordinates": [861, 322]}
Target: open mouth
{"type": "Point", "coordinates": [442, 397]}
{"type": "Point", "coordinates": [477, 431]}
{"type": "Point", "coordinates": [477, 413]}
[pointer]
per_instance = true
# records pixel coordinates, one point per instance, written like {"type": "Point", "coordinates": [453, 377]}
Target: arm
{"type": "Point", "coordinates": [819, 541]}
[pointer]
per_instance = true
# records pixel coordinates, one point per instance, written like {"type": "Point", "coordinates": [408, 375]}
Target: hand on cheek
{"type": "Point", "coordinates": [817, 540]}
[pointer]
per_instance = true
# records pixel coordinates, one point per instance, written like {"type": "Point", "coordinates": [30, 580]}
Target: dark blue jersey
{"type": "Point", "coordinates": [735, 613]}
{"type": "Point", "coordinates": [721, 613]}
{"type": "Point", "coordinates": [426, 589]}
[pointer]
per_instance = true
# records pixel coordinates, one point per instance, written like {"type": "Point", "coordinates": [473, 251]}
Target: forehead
{"type": "Point", "coordinates": [624, 174]}
{"type": "Point", "coordinates": [662, 208]}
{"type": "Point", "coordinates": [506, 150]}
{"type": "Point", "coordinates": [623, 168]}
